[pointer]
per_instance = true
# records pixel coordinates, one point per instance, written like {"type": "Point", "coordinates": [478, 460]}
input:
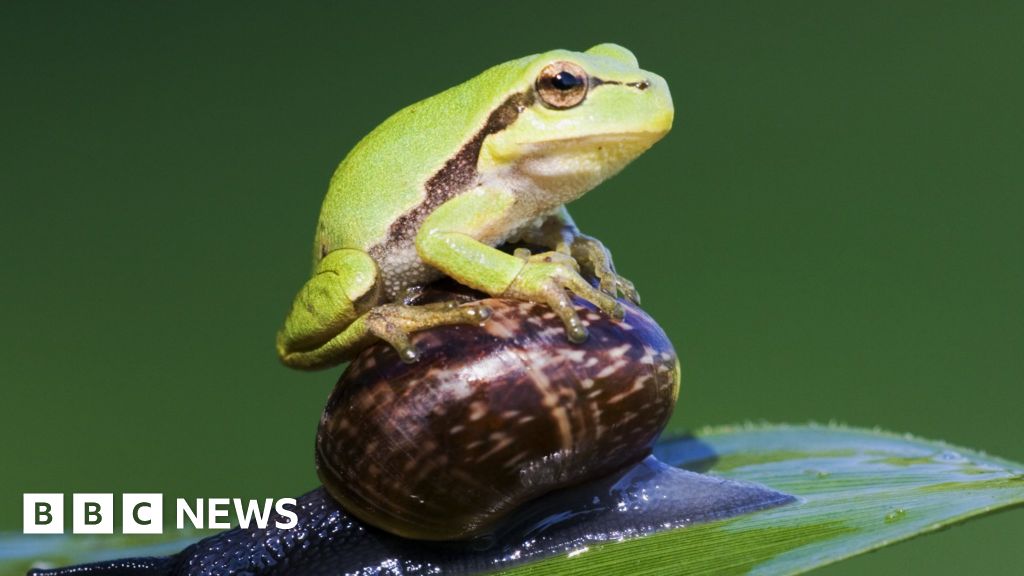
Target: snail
{"type": "Point", "coordinates": [504, 443]}
{"type": "Point", "coordinates": [499, 415]}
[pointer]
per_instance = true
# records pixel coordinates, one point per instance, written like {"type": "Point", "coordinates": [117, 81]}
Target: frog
{"type": "Point", "coordinates": [438, 189]}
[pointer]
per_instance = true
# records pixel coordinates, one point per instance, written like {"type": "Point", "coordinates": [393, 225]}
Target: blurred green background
{"type": "Point", "coordinates": [832, 231]}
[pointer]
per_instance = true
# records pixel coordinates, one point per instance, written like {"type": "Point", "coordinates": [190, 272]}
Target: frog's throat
{"type": "Point", "coordinates": [558, 171]}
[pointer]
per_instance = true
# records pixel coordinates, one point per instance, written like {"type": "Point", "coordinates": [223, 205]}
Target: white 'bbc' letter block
{"type": "Point", "coordinates": [92, 513]}
{"type": "Point", "coordinates": [42, 513]}
{"type": "Point", "coordinates": [142, 513]}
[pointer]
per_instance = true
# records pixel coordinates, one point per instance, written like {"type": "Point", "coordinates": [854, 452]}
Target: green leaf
{"type": "Point", "coordinates": [858, 490]}
{"type": "Point", "coordinates": [19, 552]}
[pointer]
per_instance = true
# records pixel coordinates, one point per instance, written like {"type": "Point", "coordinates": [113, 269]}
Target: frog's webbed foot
{"type": "Point", "coordinates": [547, 277]}
{"type": "Point", "coordinates": [596, 260]}
{"type": "Point", "coordinates": [395, 323]}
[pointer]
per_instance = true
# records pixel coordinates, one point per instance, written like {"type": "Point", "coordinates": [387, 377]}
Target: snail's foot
{"type": "Point", "coordinates": [395, 323]}
{"type": "Point", "coordinates": [548, 278]}
{"type": "Point", "coordinates": [597, 261]}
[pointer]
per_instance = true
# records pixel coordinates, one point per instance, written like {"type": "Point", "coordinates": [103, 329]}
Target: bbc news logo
{"type": "Point", "coordinates": [144, 513]}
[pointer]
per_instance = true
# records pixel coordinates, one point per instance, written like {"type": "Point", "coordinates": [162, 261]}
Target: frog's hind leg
{"type": "Point", "coordinates": [345, 284]}
{"type": "Point", "coordinates": [393, 323]}
{"type": "Point", "coordinates": [338, 313]}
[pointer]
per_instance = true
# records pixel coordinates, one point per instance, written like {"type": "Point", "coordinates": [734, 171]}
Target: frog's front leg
{"type": "Point", "coordinates": [338, 312]}
{"type": "Point", "coordinates": [558, 232]}
{"type": "Point", "coordinates": [449, 240]}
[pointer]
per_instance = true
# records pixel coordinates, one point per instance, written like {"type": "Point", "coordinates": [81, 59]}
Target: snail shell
{"type": "Point", "coordinates": [492, 417]}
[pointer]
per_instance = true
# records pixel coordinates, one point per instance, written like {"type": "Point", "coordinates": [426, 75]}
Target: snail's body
{"type": "Point", "coordinates": [328, 541]}
{"type": "Point", "coordinates": [563, 434]}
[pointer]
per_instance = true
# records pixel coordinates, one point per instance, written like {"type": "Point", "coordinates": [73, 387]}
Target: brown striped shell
{"type": "Point", "coordinates": [492, 417]}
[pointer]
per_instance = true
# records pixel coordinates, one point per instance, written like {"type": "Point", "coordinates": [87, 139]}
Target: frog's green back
{"type": "Point", "coordinates": [384, 175]}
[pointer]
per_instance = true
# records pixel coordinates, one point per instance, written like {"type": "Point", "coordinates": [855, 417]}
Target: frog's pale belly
{"type": "Point", "coordinates": [401, 268]}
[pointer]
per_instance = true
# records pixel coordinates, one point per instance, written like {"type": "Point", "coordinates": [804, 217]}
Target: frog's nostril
{"type": "Point", "coordinates": [641, 85]}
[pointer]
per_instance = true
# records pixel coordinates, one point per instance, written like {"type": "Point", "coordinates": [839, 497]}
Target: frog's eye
{"type": "Point", "coordinates": [562, 85]}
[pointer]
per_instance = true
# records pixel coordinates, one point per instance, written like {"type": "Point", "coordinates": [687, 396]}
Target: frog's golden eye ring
{"type": "Point", "coordinates": [562, 85]}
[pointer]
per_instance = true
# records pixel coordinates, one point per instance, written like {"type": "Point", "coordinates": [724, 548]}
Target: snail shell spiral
{"type": "Point", "coordinates": [492, 417]}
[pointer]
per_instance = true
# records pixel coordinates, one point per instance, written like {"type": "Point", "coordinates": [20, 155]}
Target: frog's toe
{"type": "Point", "coordinates": [627, 289]}
{"type": "Point", "coordinates": [558, 300]}
{"type": "Point", "coordinates": [600, 267]}
{"type": "Point", "coordinates": [479, 313]}
{"type": "Point", "coordinates": [386, 322]}
{"type": "Point", "coordinates": [614, 285]}
{"type": "Point", "coordinates": [408, 355]}
{"type": "Point", "coordinates": [603, 300]}
{"type": "Point", "coordinates": [608, 284]}
{"type": "Point", "coordinates": [395, 323]}
{"type": "Point", "coordinates": [548, 278]}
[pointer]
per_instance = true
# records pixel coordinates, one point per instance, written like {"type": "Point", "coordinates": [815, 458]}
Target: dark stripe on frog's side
{"type": "Point", "coordinates": [455, 177]}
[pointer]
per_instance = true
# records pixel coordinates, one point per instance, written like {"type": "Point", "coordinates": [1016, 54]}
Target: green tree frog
{"type": "Point", "coordinates": [436, 188]}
